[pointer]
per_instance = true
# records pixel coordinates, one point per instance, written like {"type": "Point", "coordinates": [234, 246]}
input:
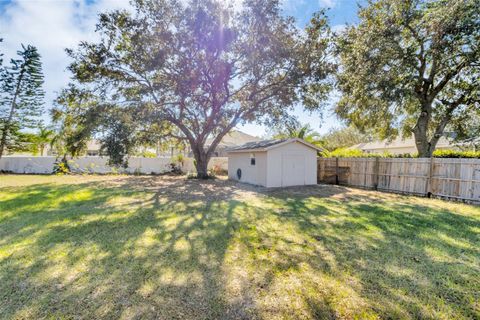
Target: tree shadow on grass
{"type": "Point", "coordinates": [117, 251]}
{"type": "Point", "coordinates": [408, 260]}
{"type": "Point", "coordinates": [166, 248]}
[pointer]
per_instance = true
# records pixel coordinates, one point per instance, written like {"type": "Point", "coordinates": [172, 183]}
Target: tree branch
{"type": "Point", "coordinates": [439, 87]}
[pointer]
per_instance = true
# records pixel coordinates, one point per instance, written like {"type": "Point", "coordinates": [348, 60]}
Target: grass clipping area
{"type": "Point", "coordinates": [117, 247]}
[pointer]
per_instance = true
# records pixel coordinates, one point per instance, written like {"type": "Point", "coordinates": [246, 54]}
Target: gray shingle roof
{"type": "Point", "coordinates": [257, 144]}
{"type": "Point", "coordinates": [233, 139]}
{"type": "Point", "coordinates": [399, 142]}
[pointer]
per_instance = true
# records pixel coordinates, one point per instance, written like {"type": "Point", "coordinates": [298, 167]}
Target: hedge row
{"type": "Point", "coordinates": [353, 153]}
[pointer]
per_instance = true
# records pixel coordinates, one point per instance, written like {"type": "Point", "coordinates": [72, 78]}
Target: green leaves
{"type": "Point", "coordinates": [203, 67]}
{"type": "Point", "coordinates": [21, 97]}
{"type": "Point", "coordinates": [409, 67]}
{"type": "Point", "coordinates": [294, 129]}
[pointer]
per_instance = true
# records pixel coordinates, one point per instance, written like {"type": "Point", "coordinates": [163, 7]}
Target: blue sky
{"type": "Point", "coordinates": [53, 25]}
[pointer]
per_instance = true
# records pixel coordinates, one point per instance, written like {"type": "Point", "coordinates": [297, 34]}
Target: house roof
{"type": "Point", "coordinates": [233, 138]}
{"type": "Point", "coordinates": [395, 144]}
{"type": "Point", "coordinates": [265, 145]}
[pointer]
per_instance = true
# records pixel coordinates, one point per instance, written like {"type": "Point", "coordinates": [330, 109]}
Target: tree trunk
{"type": "Point", "coordinates": [425, 147]}
{"type": "Point", "coordinates": [6, 127]}
{"type": "Point", "coordinates": [3, 140]}
{"type": "Point", "coordinates": [197, 145]}
{"type": "Point", "coordinates": [201, 162]}
{"type": "Point", "coordinates": [420, 130]}
{"type": "Point", "coordinates": [202, 170]}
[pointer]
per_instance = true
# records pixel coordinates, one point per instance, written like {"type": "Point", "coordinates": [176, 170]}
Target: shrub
{"type": "Point", "coordinates": [180, 159]}
{"type": "Point", "coordinates": [175, 168]}
{"type": "Point", "coordinates": [456, 154]}
{"type": "Point", "coordinates": [217, 170]}
{"type": "Point", "coordinates": [61, 166]}
{"type": "Point", "coordinates": [148, 154]}
{"type": "Point", "coordinates": [405, 155]}
{"type": "Point", "coordinates": [212, 174]}
{"type": "Point", "coordinates": [355, 153]}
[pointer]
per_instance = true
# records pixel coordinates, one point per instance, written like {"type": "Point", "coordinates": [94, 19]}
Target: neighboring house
{"type": "Point", "coordinates": [93, 149]}
{"type": "Point", "coordinates": [399, 146]}
{"type": "Point", "coordinates": [472, 144]}
{"type": "Point", "coordinates": [232, 139]}
{"type": "Point", "coordinates": [274, 163]}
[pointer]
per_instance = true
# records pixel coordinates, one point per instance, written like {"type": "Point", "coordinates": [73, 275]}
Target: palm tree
{"type": "Point", "coordinates": [303, 132]}
{"type": "Point", "coordinates": [44, 138]}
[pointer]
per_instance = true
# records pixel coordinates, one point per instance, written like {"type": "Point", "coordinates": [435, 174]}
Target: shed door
{"type": "Point", "coordinates": [293, 170]}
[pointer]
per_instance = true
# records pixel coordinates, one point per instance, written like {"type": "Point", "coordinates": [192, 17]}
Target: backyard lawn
{"type": "Point", "coordinates": [118, 247]}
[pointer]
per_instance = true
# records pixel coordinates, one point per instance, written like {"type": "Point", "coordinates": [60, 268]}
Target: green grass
{"type": "Point", "coordinates": [166, 248]}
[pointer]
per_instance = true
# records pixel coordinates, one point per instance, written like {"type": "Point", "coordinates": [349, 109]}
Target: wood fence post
{"type": "Point", "coordinates": [376, 171]}
{"type": "Point", "coordinates": [430, 178]}
{"type": "Point", "coordinates": [336, 171]}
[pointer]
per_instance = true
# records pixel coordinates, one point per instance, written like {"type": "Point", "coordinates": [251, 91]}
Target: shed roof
{"type": "Point", "coordinates": [265, 145]}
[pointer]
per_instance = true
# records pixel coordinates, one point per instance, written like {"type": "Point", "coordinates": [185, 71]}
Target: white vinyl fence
{"type": "Point", "coordinates": [44, 165]}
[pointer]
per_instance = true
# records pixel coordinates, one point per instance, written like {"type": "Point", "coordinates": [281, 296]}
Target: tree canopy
{"type": "Point", "coordinates": [337, 138]}
{"type": "Point", "coordinates": [43, 138]}
{"type": "Point", "coordinates": [202, 67]}
{"type": "Point", "coordinates": [21, 97]}
{"type": "Point", "coordinates": [467, 136]}
{"type": "Point", "coordinates": [411, 67]}
{"type": "Point", "coordinates": [294, 129]}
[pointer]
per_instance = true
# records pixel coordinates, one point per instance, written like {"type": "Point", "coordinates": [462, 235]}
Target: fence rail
{"type": "Point", "coordinates": [448, 178]}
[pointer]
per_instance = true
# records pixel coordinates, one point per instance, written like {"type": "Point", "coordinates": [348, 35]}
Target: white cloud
{"type": "Point", "coordinates": [51, 26]}
{"type": "Point", "coordinates": [327, 3]}
{"type": "Point", "coordinates": [292, 5]}
{"type": "Point", "coordinates": [338, 28]}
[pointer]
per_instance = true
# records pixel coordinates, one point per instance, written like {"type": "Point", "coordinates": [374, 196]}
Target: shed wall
{"type": "Point", "coordinates": [253, 174]}
{"type": "Point", "coordinates": [274, 163]}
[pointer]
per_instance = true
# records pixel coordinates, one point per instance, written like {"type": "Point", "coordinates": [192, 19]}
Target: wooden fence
{"type": "Point", "coordinates": [447, 178]}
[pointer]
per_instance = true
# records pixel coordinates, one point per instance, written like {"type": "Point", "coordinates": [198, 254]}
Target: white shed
{"type": "Point", "coordinates": [274, 163]}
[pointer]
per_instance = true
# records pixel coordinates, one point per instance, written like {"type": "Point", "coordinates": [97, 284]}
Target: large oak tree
{"type": "Point", "coordinates": [202, 66]}
{"type": "Point", "coordinates": [411, 67]}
